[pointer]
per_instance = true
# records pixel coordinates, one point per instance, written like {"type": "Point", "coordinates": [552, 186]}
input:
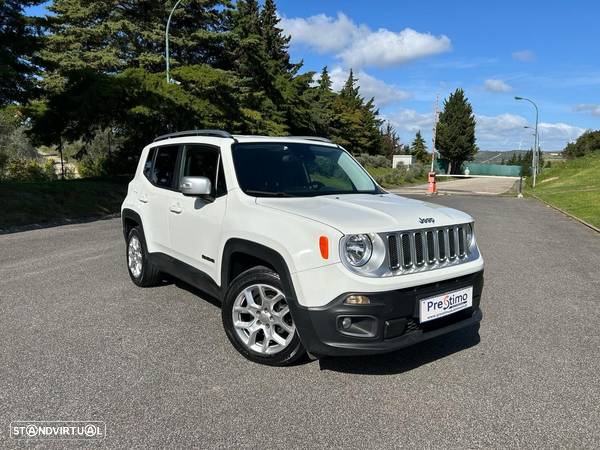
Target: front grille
{"type": "Point", "coordinates": [411, 251]}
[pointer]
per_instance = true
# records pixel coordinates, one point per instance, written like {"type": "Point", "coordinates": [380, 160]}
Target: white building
{"type": "Point", "coordinates": [406, 160]}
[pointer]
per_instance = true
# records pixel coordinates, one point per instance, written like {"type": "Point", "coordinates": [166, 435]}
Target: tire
{"type": "Point", "coordinates": [142, 272]}
{"type": "Point", "coordinates": [256, 301]}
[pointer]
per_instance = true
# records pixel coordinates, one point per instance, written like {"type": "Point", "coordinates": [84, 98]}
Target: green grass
{"type": "Point", "coordinates": [40, 202]}
{"type": "Point", "coordinates": [573, 186]}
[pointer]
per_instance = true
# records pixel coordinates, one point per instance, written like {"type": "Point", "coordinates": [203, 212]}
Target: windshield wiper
{"type": "Point", "coordinates": [267, 193]}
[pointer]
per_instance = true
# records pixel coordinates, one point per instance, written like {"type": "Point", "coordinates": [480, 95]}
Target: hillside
{"type": "Point", "coordinates": [573, 186]}
{"type": "Point", "coordinates": [495, 156]}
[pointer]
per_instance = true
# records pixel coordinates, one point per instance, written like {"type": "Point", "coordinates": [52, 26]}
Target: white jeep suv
{"type": "Point", "coordinates": [303, 249]}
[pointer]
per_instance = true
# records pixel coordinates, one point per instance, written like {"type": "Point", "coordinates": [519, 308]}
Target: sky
{"type": "Point", "coordinates": [406, 53]}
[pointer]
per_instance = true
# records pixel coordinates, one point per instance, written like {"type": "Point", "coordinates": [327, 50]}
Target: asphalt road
{"type": "Point", "coordinates": [465, 186]}
{"type": "Point", "coordinates": [80, 341]}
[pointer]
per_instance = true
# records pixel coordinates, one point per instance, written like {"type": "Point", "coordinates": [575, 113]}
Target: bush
{"type": "Point", "coordinates": [91, 167]}
{"type": "Point", "coordinates": [22, 169]}
{"type": "Point", "coordinates": [373, 160]}
{"type": "Point", "coordinates": [388, 177]}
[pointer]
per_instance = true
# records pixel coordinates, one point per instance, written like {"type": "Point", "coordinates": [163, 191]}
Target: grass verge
{"type": "Point", "coordinates": [573, 186]}
{"type": "Point", "coordinates": [44, 202]}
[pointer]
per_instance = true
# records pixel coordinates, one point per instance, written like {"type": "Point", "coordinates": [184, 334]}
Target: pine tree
{"type": "Point", "coordinates": [111, 36]}
{"type": "Point", "coordinates": [455, 132]}
{"type": "Point", "coordinates": [276, 42]}
{"type": "Point", "coordinates": [356, 124]}
{"type": "Point", "coordinates": [419, 150]}
{"type": "Point", "coordinates": [390, 142]}
{"type": "Point", "coordinates": [325, 82]}
{"type": "Point", "coordinates": [20, 38]}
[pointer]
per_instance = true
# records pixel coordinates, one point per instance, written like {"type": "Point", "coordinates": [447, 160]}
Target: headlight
{"type": "Point", "coordinates": [469, 234]}
{"type": "Point", "coordinates": [358, 249]}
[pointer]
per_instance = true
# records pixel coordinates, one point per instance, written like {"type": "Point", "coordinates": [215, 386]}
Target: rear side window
{"type": "Point", "coordinates": [163, 171]}
{"type": "Point", "coordinates": [148, 164]}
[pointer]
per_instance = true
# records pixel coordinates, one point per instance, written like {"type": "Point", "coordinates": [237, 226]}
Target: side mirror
{"type": "Point", "coordinates": [195, 186]}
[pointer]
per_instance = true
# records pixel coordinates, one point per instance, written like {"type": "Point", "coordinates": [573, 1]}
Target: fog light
{"type": "Point", "coordinates": [346, 323]}
{"type": "Point", "coordinates": [357, 300]}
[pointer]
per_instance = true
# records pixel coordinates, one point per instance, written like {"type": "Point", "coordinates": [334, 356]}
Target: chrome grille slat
{"type": "Point", "coordinates": [419, 250]}
{"type": "Point", "coordinates": [406, 253]}
{"type": "Point", "coordinates": [452, 242]}
{"type": "Point", "coordinates": [393, 252]}
{"type": "Point", "coordinates": [415, 251]}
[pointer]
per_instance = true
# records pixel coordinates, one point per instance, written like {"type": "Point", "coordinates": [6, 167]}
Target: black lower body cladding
{"type": "Point", "coordinates": [388, 323]}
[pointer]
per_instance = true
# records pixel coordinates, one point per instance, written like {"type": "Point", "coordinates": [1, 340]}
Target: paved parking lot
{"type": "Point", "coordinates": [79, 341]}
{"type": "Point", "coordinates": [465, 186]}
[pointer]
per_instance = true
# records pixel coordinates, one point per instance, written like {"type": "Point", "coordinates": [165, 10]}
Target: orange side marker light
{"type": "Point", "coordinates": [324, 246]}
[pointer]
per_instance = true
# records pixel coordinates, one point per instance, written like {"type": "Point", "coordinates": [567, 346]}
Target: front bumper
{"type": "Point", "coordinates": [388, 323]}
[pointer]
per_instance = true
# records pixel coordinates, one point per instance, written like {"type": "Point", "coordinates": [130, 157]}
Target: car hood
{"type": "Point", "coordinates": [367, 213]}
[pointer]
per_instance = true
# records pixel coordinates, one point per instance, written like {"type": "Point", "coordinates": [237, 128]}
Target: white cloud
{"type": "Point", "coordinates": [386, 48]}
{"type": "Point", "coordinates": [524, 55]}
{"type": "Point", "coordinates": [409, 121]}
{"type": "Point", "coordinates": [592, 109]}
{"type": "Point", "coordinates": [323, 33]}
{"type": "Point", "coordinates": [359, 46]}
{"type": "Point", "coordinates": [500, 132]}
{"type": "Point", "coordinates": [507, 132]}
{"type": "Point", "coordinates": [370, 87]}
{"type": "Point", "coordinates": [494, 85]}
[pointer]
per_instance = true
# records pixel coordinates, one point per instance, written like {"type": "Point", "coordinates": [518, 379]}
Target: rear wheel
{"type": "Point", "coordinates": [258, 321]}
{"type": "Point", "coordinates": [142, 272]}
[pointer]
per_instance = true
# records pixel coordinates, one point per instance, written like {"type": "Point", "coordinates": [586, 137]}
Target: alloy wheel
{"type": "Point", "coordinates": [134, 256]}
{"type": "Point", "coordinates": [262, 319]}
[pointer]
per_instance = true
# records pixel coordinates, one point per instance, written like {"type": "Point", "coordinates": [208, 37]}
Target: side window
{"type": "Point", "coordinates": [221, 184]}
{"type": "Point", "coordinates": [201, 161]}
{"type": "Point", "coordinates": [163, 172]}
{"type": "Point", "coordinates": [148, 164]}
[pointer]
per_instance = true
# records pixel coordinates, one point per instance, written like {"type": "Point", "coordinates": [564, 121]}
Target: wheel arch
{"type": "Point", "coordinates": [252, 254]}
{"type": "Point", "coordinates": [130, 219]}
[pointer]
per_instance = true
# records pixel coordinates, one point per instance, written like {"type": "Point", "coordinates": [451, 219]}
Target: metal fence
{"type": "Point", "coordinates": [499, 170]}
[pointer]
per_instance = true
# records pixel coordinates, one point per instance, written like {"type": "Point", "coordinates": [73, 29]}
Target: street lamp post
{"type": "Point", "coordinates": [536, 139]}
{"type": "Point", "coordinates": [167, 39]}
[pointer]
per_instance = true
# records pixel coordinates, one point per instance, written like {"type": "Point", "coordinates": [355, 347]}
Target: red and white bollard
{"type": "Point", "coordinates": [432, 188]}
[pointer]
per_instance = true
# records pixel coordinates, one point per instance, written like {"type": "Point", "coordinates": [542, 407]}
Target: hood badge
{"type": "Point", "coordinates": [426, 220]}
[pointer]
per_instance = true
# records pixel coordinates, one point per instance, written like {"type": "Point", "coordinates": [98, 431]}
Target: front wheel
{"type": "Point", "coordinates": [258, 321]}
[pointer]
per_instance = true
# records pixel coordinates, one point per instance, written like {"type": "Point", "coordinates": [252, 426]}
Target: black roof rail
{"type": "Point", "coordinates": [312, 138]}
{"type": "Point", "coordinates": [213, 133]}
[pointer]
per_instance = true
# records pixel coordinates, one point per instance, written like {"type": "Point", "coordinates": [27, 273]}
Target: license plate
{"type": "Point", "coordinates": [445, 304]}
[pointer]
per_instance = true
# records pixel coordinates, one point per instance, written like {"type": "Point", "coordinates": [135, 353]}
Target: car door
{"type": "Point", "coordinates": [158, 196]}
{"type": "Point", "coordinates": [196, 226]}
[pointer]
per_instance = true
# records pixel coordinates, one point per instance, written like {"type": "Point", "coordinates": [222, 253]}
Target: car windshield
{"type": "Point", "coordinates": [298, 170]}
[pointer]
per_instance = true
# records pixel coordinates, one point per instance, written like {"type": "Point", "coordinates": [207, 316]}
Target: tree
{"type": "Point", "coordinates": [587, 143]}
{"type": "Point", "coordinates": [20, 38]}
{"type": "Point", "coordinates": [419, 150]}
{"type": "Point", "coordinates": [390, 142]}
{"type": "Point", "coordinates": [455, 131]}
{"type": "Point", "coordinates": [111, 36]}
{"type": "Point", "coordinates": [276, 43]}
{"type": "Point", "coordinates": [356, 124]}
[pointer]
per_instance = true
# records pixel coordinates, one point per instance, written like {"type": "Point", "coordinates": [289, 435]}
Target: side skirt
{"type": "Point", "coordinates": [187, 273]}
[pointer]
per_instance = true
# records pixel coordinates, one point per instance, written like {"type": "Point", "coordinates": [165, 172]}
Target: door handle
{"type": "Point", "coordinates": [143, 199]}
{"type": "Point", "coordinates": [175, 208]}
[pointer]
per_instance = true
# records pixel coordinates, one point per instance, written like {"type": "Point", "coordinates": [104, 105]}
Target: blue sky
{"type": "Point", "coordinates": [405, 53]}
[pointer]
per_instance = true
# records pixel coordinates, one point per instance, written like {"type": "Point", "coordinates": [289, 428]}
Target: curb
{"type": "Point", "coordinates": [581, 221]}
